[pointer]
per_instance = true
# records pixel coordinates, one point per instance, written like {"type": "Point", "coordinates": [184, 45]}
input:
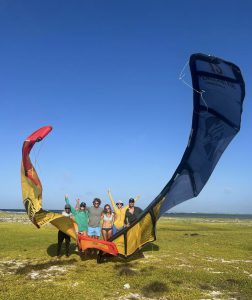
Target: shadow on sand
{"type": "Point", "coordinates": [52, 250]}
{"type": "Point", "coordinates": [138, 255]}
{"type": "Point", "coordinates": [91, 255]}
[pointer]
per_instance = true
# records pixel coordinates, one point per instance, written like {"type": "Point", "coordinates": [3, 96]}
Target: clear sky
{"type": "Point", "coordinates": [105, 75]}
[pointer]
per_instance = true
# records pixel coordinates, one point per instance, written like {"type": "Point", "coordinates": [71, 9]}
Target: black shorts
{"type": "Point", "coordinates": [107, 229]}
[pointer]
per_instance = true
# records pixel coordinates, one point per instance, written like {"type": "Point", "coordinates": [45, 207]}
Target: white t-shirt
{"type": "Point", "coordinates": [64, 213]}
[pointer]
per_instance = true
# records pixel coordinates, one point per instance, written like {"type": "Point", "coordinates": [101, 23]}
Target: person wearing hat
{"type": "Point", "coordinates": [132, 213]}
{"type": "Point", "coordinates": [63, 236]}
{"type": "Point", "coordinates": [81, 216]}
{"type": "Point", "coordinates": [120, 211]}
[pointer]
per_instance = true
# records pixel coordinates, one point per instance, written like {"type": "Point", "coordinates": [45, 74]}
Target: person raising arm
{"type": "Point", "coordinates": [120, 211]}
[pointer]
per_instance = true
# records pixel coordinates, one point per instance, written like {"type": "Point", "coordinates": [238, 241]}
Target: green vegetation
{"type": "Point", "coordinates": [191, 259]}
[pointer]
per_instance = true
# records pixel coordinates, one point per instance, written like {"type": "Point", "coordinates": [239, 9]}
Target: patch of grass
{"type": "Point", "coordinates": [190, 259]}
{"type": "Point", "coordinates": [155, 288]}
{"type": "Point", "coordinates": [232, 281]}
{"type": "Point", "coordinates": [43, 266]}
{"type": "Point", "coordinates": [205, 286]}
{"type": "Point", "coordinates": [177, 282]}
{"type": "Point", "coordinates": [124, 265]}
{"type": "Point", "coordinates": [126, 272]}
{"type": "Point", "coordinates": [148, 270]}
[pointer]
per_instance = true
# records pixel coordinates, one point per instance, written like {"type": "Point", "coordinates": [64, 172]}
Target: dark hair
{"type": "Point", "coordinates": [83, 204]}
{"type": "Point", "coordinates": [131, 200]}
{"type": "Point", "coordinates": [97, 200]}
{"type": "Point", "coordinates": [104, 209]}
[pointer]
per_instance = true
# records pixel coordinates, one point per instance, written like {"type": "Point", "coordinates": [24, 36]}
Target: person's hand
{"type": "Point", "coordinates": [66, 195]}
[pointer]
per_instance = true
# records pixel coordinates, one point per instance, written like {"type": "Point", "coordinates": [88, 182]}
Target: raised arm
{"type": "Point", "coordinates": [77, 205]}
{"type": "Point", "coordinates": [112, 200]}
{"type": "Point", "coordinates": [136, 198]}
{"type": "Point", "coordinates": [73, 211]}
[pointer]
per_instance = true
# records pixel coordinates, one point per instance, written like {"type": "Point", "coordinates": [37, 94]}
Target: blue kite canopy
{"type": "Point", "coordinates": [218, 94]}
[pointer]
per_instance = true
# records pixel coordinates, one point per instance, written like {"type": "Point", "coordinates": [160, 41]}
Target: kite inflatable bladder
{"type": "Point", "coordinates": [91, 243]}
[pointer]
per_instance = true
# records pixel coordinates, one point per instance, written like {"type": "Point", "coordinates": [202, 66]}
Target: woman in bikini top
{"type": "Point", "coordinates": [108, 218]}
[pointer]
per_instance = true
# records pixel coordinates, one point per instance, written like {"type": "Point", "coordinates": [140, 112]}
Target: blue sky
{"type": "Point", "coordinates": [105, 75]}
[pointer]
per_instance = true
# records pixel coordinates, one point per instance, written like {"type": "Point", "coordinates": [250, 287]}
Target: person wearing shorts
{"type": "Point", "coordinates": [120, 211]}
{"type": "Point", "coordinates": [95, 212]}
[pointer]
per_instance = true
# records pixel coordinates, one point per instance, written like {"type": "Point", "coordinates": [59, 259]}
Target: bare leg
{"type": "Point", "coordinates": [109, 234]}
{"type": "Point", "coordinates": [104, 235]}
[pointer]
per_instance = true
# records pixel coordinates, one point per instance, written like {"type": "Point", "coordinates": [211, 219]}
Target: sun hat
{"type": "Point", "coordinates": [119, 202]}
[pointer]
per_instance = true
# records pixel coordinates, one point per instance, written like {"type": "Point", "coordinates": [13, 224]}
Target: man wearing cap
{"type": "Point", "coordinates": [63, 236]}
{"type": "Point", "coordinates": [80, 216]}
{"type": "Point", "coordinates": [132, 213]}
{"type": "Point", "coordinates": [120, 211]}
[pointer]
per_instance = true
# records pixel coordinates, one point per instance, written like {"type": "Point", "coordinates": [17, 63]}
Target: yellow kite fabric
{"type": "Point", "coordinates": [138, 234]}
{"type": "Point", "coordinates": [32, 190]}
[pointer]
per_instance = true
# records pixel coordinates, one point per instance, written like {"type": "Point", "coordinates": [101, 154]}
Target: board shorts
{"type": "Point", "coordinates": [94, 231]}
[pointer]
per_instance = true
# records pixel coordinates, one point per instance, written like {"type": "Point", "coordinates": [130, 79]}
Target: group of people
{"type": "Point", "coordinates": [93, 221]}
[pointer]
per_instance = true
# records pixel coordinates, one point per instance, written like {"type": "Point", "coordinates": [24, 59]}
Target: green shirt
{"type": "Point", "coordinates": [80, 216]}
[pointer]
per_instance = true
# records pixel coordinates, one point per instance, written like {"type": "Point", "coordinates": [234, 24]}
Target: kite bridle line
{"type": "Point", "coordinates": [181, 78]}
{"type": "Point", "coordinates": [36, 154]}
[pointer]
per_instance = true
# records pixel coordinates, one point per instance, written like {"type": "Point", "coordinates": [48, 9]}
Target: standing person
{"type": "Point", "coordinates": [108, 218]}
{"type": "Point", "coordinates": [120, 211]}
{"type": "Point", "coordinates": [132, 213]}
{"type": "Point", "coordinates": [63, 236]}
{"type": "Point", "coordinates": [80, 216]}
{"type": "Point", "coordinates": [95, 211]}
